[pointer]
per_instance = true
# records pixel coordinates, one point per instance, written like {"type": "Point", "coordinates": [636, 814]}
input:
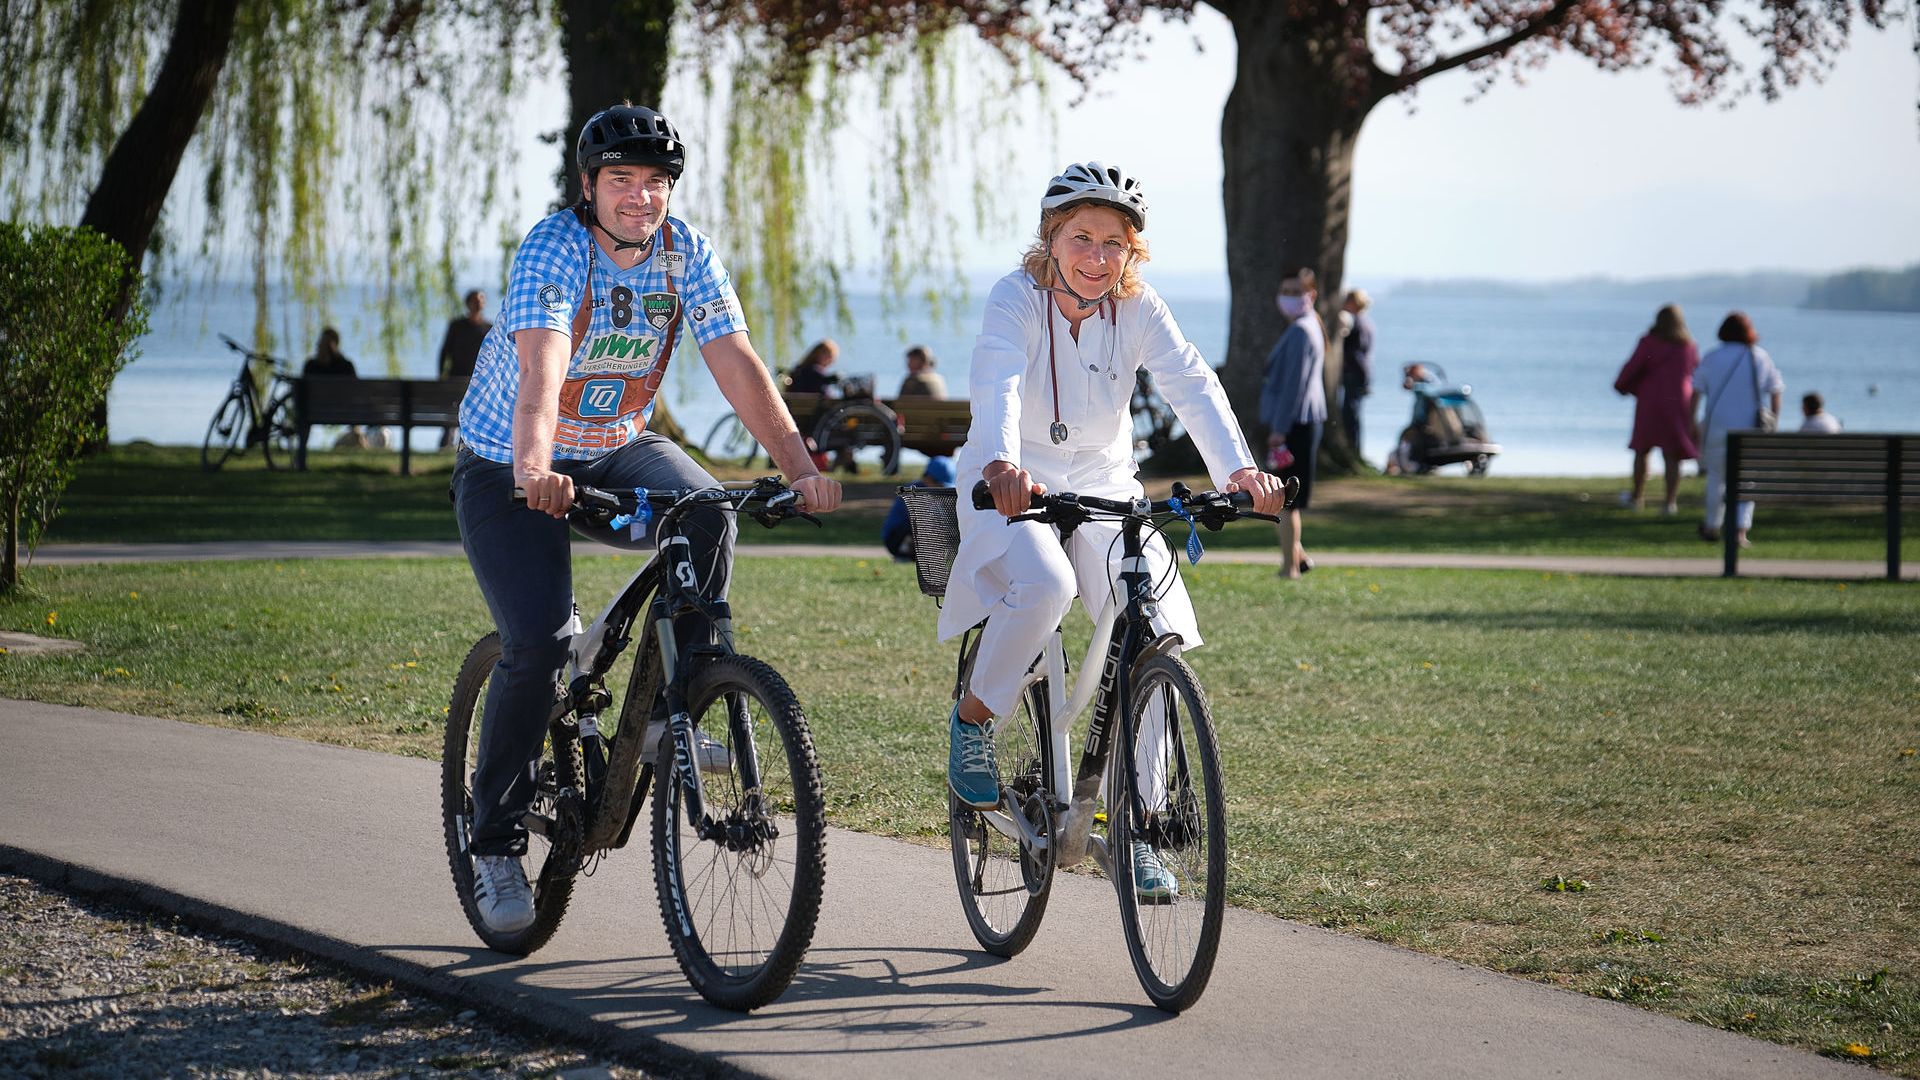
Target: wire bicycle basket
{"type": "Point", "coordinates": [933, 517]}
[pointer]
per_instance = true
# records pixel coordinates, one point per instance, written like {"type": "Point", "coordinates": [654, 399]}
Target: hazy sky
{"type": "Point", "coordinates": [1575, 173]}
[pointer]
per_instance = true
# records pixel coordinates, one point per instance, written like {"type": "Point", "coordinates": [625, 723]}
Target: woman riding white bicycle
{"type": "Point", "coordinates": [562, 390]}
{"type": "Point", "coordinates": [1053, 375]}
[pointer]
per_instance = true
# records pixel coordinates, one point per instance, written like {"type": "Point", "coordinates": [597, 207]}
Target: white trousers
{"type": "Point", "coordinates": [1038, 582]}
{"type": "Point", "coordinates": [1714, 457]}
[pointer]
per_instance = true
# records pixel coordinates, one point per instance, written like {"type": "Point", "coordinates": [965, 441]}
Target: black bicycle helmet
{"type": "Point", "coordinates": [630, 135]}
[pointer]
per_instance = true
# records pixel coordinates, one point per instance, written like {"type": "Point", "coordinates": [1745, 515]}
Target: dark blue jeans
{"type": "Point", "coordinates": [521, 559]}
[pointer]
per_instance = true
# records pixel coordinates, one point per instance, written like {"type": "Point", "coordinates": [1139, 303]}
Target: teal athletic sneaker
{"type": "Point", "coordinates": [1152, 881]}
{"type": "Point", "coordinates": [970, 768]}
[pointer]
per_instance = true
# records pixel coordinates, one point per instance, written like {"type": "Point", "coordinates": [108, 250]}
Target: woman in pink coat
{"type": "Point", "coordinates": [1660, 377]}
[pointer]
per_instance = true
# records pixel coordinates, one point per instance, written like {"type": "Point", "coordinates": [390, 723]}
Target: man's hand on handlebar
{"type": "Point", "coordinates": [1012, 487]}
{"type": "Point", "coordinates": [822, 493]}
{"type": "Point", "coordinates": [1269, 491]}
{"type": "Point", "coordinates": [549, 492]}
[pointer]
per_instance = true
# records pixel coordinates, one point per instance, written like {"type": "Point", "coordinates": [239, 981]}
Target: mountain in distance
{"type": "Point", "coordinates": [1852, 290]}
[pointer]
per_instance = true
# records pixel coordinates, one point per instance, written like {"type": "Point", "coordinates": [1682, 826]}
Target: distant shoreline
{"type": "Point", "coordinates": [1851, 290]}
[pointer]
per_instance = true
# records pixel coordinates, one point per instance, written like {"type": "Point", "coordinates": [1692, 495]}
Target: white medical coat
{"type": "Point", "coordinates": [1012, 394]}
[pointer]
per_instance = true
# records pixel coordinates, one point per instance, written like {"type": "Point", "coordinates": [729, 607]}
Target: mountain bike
{"type": "Point", "coordinates": [739, 821]}
{"type": "Point", "coordinates": [1161, 794]}
{"type": "Point", "coordinates": [243, 420]}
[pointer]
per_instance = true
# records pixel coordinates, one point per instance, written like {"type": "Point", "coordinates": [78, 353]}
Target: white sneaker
{"type": "Point", "coordinates": [501, 893]}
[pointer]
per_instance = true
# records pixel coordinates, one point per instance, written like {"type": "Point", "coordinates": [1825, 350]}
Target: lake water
{"type": "Point", "coordinates": [1541, 369]}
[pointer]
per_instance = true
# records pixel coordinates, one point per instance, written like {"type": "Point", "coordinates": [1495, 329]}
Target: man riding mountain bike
{"type": "Point", "coordinates": [561, 393]}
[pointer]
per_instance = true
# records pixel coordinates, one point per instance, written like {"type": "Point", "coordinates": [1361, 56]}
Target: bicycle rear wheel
{"type": "Point", "coordinates": [851, 426]}
{"type": "Point", "coordinates": [226, 433]}
{"type": "Point", "coordinates": [740, 891]}
{"type": "Point", "coordinates": [1180, 822]}
{"type": "Point", "coordinates": [280, 437]}
{"type": "Point", "coordinates": [1003, 887]}
{"type": "Point", "coordinates": [551, 871]}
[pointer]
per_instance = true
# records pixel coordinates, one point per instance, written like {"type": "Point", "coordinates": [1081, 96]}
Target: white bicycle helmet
{"type": "Point", "coordinates": [1096, 182]}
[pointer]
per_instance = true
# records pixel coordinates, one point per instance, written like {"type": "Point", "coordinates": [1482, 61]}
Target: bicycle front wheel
{"type": "Point", "coordinates": [226, 433]}
{"type": "Point", "coordinates": [1004, 887]}
{"type": "Point", "coordinates": [549, 871]}
{"type": "Point", "coordinates": [740, 888]}
{"type": "Point", "coordinates": [730, 441]}
{"type": "Point", "coordinates": [1167, 826]}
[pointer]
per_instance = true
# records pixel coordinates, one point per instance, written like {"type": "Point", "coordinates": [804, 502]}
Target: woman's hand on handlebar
{"type": "Point", "coordinates": [1269, 491]}
{"type": "Point", "coordinates": [1012, 487]}
{"type": "Point", "coordinates": [821, 493]}
{"type": "Point", "coordinates": [549, 492]}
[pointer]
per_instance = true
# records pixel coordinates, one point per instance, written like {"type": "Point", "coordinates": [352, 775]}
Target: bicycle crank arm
{"type": "Point", "coordinates": [1013, 825]}
{"type": "Point", "coordinates": [538, 824]}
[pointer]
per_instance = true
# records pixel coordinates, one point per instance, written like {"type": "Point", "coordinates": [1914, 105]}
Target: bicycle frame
{"type": "Point", "coordinates": [671, 579]}
{"type": "Point", "coordinates": [1122, 634]}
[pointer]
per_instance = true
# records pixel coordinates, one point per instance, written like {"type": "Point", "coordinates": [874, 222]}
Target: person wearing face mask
{"type": "Point", "coordinates": [1293, 406]}
{"type": "Point", "coordinates": [1051, 383]}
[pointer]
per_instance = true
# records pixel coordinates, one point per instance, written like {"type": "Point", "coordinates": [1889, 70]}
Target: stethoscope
{"type": "Point", "coordinates": [1107, 309]}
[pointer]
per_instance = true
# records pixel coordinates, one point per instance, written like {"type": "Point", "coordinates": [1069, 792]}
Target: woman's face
{"type": "Point", "coordinates": [1092, 249]}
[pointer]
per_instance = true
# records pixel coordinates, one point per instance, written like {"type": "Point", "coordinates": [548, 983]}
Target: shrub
{"type": "Point", "coordinates": [59, 352]}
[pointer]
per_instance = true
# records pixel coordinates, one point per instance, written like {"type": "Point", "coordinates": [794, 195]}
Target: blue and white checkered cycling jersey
{"type": "Point", "coordinates": [607, 397]}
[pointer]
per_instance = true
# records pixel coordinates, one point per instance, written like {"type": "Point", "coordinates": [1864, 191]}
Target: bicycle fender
{"type": "Point", "coordinates": [1159, 646]}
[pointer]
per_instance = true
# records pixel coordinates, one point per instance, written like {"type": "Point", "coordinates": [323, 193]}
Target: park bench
{"type": "Point", "coordinates": [402, 403]}
{"type": "Point", "coordinates": [934, 426]}
{"type": "Point", "coordinates": [1804, 468]}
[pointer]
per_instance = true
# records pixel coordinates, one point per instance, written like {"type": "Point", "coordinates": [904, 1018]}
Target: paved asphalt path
{"type": "Point", "coordinates": [1629, 566]}
{"type": "Point", "coordinates": [338, 852]}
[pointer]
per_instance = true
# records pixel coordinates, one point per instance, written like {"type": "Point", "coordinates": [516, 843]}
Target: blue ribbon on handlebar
{"type": "Point", "coordinates": [1180, 511]}
{"type": "Point", "coordinates": [638, 519]}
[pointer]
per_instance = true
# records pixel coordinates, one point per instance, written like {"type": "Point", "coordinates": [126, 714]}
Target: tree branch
{"type": "Point", "coordinates": [1389, 85]}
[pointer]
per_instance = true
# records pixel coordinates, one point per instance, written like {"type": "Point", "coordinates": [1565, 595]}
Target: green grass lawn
{"type": "Point", "coordinates": [153, 494]}
{"type": "Point", "coordinates": [1720, 775]}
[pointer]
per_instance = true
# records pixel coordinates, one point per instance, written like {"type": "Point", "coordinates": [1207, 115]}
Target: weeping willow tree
{"type": "Point", "coordinates": [336, 140]}
{"type": "Point", "coordinates": [326, 139]}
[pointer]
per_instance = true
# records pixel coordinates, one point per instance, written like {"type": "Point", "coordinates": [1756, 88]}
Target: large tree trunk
{"type": "Point", "coordinates": [1287, 138]}
{"type": "Point", "coordinates": [125, 206]}
{"type": "Point", "coordinates": [616, 51]}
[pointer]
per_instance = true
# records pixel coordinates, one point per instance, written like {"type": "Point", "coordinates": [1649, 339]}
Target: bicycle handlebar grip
{"type": "Point", "coordinates": [983, 498]}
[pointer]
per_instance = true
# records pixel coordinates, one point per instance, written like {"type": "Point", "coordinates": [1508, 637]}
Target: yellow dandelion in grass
{"type": "Point", "coordinates": [51, 616]}
{"type": "Point", "coordinates": [1304, 666]}
{"type": "Point", "coordinates": [861, 563]}
{"type": "Point", "coordinates": [1842, 586]}
{"type": "Point", "coordinates": [123, 673]}
{"type": "Point", "coordinates": [1908, 751]}
{"type": "Point", "coordinates": [133, 595]}
{"type": "Point", "coordinates": [1859, 1050]}
{"type": "Point", "coordinates": [412, 664]}
{"type": "Point", "coordinates": [4, 651]}
{"type": "Point", "coordinates": [1426, 665]}
{"type": "Point", "coordinates": [1373, 588]}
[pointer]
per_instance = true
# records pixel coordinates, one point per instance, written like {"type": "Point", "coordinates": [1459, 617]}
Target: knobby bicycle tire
{"type": "Point", "coordinates": [554, 870]}
{"type": "Point", "coordinates": [1004, 888]}
{"type": "Point", "coordinates": [226, 432]}
{"type": "Point", "coordinates": [708, 887]}
{"type": "Point", "coordinates": [1172, 940]}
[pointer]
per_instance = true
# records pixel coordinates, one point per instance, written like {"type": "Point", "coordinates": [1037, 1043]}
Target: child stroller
{"type": "Point", "coordinates": [1447, 427]}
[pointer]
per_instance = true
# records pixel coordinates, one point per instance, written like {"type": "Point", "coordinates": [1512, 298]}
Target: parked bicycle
{"type": "Point", "coordinates": [1162, 791]}
{"type": "Point", "coordinates": [738, 823]}
{"type": "Point", "coordinates": [244, 420]}
{"type": "Point", "coordinates": [838, 427]}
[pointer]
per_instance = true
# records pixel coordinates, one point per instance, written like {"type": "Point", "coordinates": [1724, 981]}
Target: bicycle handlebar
{"type": "Point", "coordinates": [767, 500]}
{"type": "Point", "coordinates": [250, 354]}
{"type": "Point", "coordinates": [1223, 505]}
